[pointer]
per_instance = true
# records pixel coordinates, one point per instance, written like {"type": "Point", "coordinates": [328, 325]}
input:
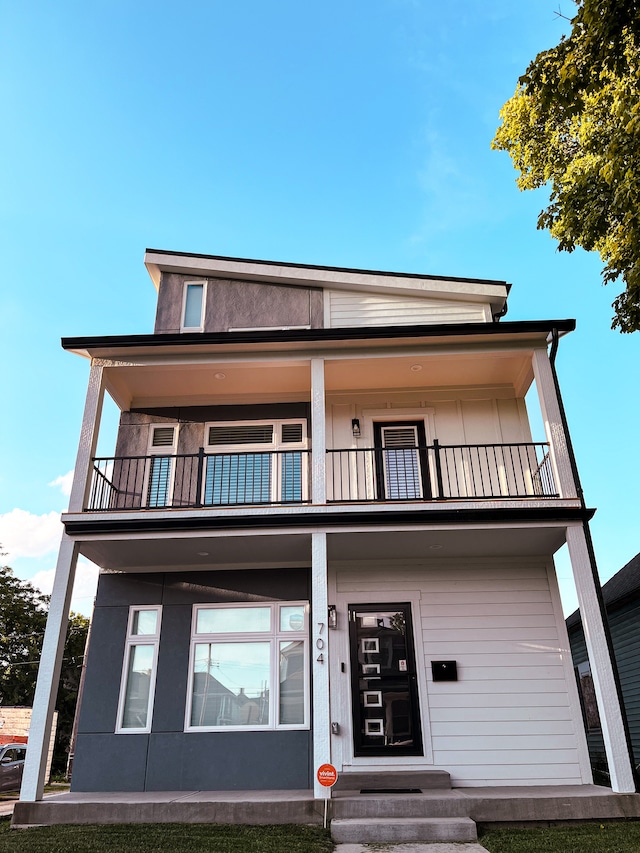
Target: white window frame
{"type": "Point", "coordinates": [132, 641]}
{"type": "Point", "coordinates": [273, 446]}
{"type": "Point", "coordinates": [274, 637]}
{"type": "Point", "coordinates": [183, 309]}
{"type": "Point", "coordinates": [165, 450]}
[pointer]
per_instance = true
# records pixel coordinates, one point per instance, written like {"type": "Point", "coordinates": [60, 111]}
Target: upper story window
{"type": "Point", "coordinates": [139, 671]}
{"type": "Point", "coordinates": [249, 667]}
{"type": "Point", "coordinates": [162, 448]}
{"type": "Point", "coordinates": [193, 302]}
{"type": "Point", "coordinates": [256, 462]}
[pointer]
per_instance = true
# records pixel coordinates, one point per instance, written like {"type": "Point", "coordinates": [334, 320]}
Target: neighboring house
{"type": "Point", "coordinates": [327, 535]}
{"type": "Point", "coordinates": [621, 596]}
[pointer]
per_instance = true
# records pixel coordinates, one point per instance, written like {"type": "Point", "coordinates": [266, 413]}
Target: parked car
{"type": "Point", "coordinates": [12, 757]}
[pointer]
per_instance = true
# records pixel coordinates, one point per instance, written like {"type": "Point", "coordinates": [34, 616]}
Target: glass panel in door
{"type": "Point", "coordinates": [401, 461]}
{"type": "Point", "coordinates": [386, 713]}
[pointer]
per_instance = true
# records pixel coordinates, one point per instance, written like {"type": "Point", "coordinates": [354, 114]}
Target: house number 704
{"type": "Point", "coordinates": [320, 643]}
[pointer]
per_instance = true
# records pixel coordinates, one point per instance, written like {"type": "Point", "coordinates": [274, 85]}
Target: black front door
{"type": "Point", "coordinates": [401, 461]}
{"type": "Point", "coordinates": [384, 688]}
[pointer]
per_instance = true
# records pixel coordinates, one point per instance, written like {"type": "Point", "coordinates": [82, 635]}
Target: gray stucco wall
{"type": "Point", "coordinates": [168, 758]}
{"type": "Point", "coordinates": [232, 304]}
{"type": "Point", "coordinates": [133, 432]}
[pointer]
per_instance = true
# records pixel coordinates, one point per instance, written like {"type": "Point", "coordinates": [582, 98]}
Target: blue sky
{"type": "Point", "coordinates": [340, 133]}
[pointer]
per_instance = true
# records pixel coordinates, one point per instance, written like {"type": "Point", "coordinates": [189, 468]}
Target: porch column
{"type": "Point", "coordinates": [320, 661]}
{"type": "Point", "coordinates": [44, 701]}
{"type": "Point", "coordinates": [318, 433]}
{"type": "Point", "coordinates": [88, 438]}
{"type": "Point", "coordinates": [553, 426]}
{"type": "Point", "coordinates": [55, 634]}
{"type": "Point", "coordinates": [613, 733]}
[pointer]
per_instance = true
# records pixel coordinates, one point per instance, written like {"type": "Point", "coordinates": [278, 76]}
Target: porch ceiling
{"type": "Point", "coordinates": [262, 379]}
{"type": "Point", "coordinates": [282, 550]}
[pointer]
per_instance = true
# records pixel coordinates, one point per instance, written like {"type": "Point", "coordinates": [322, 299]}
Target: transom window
{"type": "Point", "coordinates": [249, 667]}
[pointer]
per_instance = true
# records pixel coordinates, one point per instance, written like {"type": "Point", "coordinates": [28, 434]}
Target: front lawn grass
{"type": "Point", "coordinates": [172, 837]}
{"type": "Point", "coordinates": [583, 838]}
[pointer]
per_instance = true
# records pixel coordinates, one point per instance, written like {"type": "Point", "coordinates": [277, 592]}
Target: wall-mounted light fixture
{"type": "Point", "coordinates": [332, 617]}
{"type": "Point", "coordinates": [355, 427]}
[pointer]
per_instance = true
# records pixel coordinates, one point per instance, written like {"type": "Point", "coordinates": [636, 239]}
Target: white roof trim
{"type": "Point", "coordinates": [336, 279]}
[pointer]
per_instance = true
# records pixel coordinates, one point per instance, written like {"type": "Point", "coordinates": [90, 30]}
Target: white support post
{"type": "Point", "coordinates": [615, 742]}
{"type": "Point", "coordinates": [88, 438]}
{"type": "Point", "coordinates": [318, 434]}
{"type": "Point", "coordinates": [49, 673]}
{"type": "Point", "coordinates": [320, 661]}
{"type": "Point", "coordinates": [56, 631]}
{"type": "Point", "coordinates": [551, 414]}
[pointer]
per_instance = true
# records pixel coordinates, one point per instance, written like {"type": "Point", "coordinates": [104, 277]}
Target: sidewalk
{"type": "Point", "coordinates": [410, 848]}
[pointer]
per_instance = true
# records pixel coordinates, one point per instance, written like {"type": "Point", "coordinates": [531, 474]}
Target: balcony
{"type": "Point", "coordinates": [391, 474]}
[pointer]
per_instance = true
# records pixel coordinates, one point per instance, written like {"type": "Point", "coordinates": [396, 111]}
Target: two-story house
{"type": "Point", "coordinates": [326, 535]}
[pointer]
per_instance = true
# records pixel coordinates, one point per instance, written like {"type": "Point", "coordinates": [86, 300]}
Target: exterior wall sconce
{"type": "Point", "coordinates": [332, 617]}
{"type": "Point", "coordinates": [355, 427]}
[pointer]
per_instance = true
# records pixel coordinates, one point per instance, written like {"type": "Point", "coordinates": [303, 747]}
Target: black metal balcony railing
{"type": "Point", "coordinates": [441, 472]}
{"type": "Point", "coordinates": [200, 479]}
{"type": "Point", "coordinates": [429, 473]}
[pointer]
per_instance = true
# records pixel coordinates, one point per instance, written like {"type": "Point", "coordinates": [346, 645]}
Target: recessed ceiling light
{"type": "Point", "coordinates": [219, 375]}
{"type": "Point", "coordinates": [203, 553]}
{"type": "Point", "coordinates": [416, 367]}
{"type": "Point", "coordinates": [435, 547]}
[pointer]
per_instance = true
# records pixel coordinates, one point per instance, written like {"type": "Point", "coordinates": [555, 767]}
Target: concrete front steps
{"type": "Point", "coordinates": [394, 830]}
{"type": "Point", "coordinates": [399, 807]}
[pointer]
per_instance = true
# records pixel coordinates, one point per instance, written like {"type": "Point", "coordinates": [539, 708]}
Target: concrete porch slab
{"type": "Point", "coordinates": [483, 805]}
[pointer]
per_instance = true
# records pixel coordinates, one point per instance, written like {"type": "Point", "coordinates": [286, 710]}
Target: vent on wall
{"type": "Point", "coordinates": [291, 433]}
{"type": "Point", "coordinates": [241, 434]}
{"type": "Point", "coordinates": [162, 436]}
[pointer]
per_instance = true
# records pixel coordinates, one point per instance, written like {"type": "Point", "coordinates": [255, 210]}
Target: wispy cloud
{"type": "Point", "coordinates": [453, 196]}
{"type": "Point", "coordinates": [23, 534]}
{"type": "Point", "coordinates": [64, 483]}
{"type": "Point", "coordinates": [84, 588]}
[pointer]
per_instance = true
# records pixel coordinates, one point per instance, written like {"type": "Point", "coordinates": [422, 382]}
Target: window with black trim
{"type": "Point", "coordinates": [249, 667]}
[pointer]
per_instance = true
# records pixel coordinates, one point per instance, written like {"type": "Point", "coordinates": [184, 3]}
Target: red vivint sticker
{"type": "Point", "coordinates": [327, 775]}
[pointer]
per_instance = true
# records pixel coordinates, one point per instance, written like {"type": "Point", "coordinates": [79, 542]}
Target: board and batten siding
{"type": "Point", "coordinates": [624, 618]}
{"type": "Point", "coordinates": [513, 716]}
{"type": "Point", "coordinates": [348, 309]}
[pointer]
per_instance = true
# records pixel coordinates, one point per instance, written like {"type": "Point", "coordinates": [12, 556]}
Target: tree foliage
{"type": "Point", "coordinates": [574, 124]}
{"type": "Point", "coordinates": [23, 617]}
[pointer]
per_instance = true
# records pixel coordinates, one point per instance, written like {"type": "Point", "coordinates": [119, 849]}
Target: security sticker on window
{"type": "Point", "coordinates": [402, 665]}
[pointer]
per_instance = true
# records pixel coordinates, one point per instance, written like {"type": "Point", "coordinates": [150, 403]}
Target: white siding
{"type": "Point", "coordinates": [509, 718]}
{"type": "Point", "coordinates": [349, 309]}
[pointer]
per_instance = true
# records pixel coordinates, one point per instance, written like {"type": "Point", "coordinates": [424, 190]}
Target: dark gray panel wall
{"type": "Point", "coordinates": [118, 762]}
{"type": "Point", "coordinates": [232, 304]}
{"type": "Point", "coordinates": [169, 758]}
{"type": "Point", "coordinates": [228, 761]}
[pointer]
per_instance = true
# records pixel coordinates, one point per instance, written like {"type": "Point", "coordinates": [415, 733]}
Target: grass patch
{"type": "Point", "coordinates": [173, 837]}
{"type": "Point", "coordinates": [584, 838]}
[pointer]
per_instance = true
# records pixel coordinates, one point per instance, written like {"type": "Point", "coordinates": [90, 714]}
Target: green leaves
{"type": "Point", "coordinates": [23, 617]}
{"type": "Point", "coordinates": [574, 124]}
